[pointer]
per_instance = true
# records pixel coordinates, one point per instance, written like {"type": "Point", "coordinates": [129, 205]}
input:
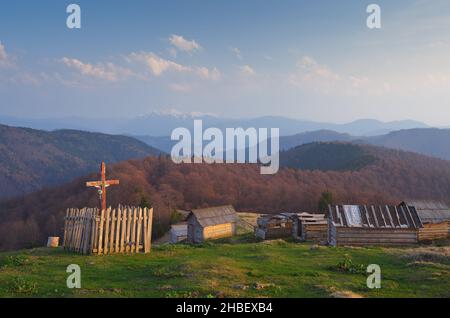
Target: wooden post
{"type": "Point", "coordinates": [133, 232]}
{"type": "Point", "coordinates": [149, 229]}
{"type": "Point", "coordinates": [138, 232]}
{"type": "Point", "coordinates": [100, 232]}
{"type": "Point", "coordinates": [93, 230]}
{"type": "Point", "coordinates": [106, 233]}
{"type": "Point", "coordinates": [112, 231]}
{"type": "Point", "coordinates": [124, 227]}
{"type": "Point", "coordinates": [144, 238]}
{"type": "Point", "coordinates": [127, 241]}
{"type": "Point", "coordinates": [117, 236]}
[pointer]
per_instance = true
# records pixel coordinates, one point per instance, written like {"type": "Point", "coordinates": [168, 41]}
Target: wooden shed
{"type": "Point", "coordinates": [211, 223]}
{"type": "Point", "coordinates": [313, 227]}
{"type": "Point", "coordinates": [178, 232]}
{"type": "Point", "coordinates": [276, 226]}
{"type": "Point", "coordinates": [360, 225]}
{"type": "Point", "coordinates": [435, 217]}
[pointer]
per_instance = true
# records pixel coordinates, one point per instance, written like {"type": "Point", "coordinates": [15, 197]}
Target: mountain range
{"type": "Point", "coordinates": [427, 141]}
{"type": "Point", "coordinates": [162, 124]}
{"type": "Point", "coordinates": [31, 159]}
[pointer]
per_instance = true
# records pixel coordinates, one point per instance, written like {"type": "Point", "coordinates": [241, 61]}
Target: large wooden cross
{"type": "Point", "coordinates": [102, 185]}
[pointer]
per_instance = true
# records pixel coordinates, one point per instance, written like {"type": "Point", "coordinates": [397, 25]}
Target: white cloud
{"type": "Point", "coordinates": [247, 70]}
{"type": "Point", "coordinates": [237, 52]}
{"type": "Point", "coordinates": [310, 69]}
{"type": "Point", "coordinates": [156, 64]}
{"type": "Point", "coordinates": [184, 45]}
{"type": "Point", "coordinates": [108, 71]}
{"type": "Point", "coordinates": [313, 76]}
{"type": "Point", "coordinates": [210, 74]}
{"type": "Point", "coordinates": [309, 74]}
{"type": "Point", "coordinates": [5, 59]}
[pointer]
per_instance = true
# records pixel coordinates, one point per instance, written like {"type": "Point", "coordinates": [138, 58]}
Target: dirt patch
{"type": "Point", "coordinates": [428, 254]}
{"type": "Point", "coordinates": [345, 294]}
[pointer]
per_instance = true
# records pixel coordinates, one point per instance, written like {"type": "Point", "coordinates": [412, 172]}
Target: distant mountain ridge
{"type": "Point", "coordinates": [162, 124]}
{"type": "Point", "coordinates": [31, 159]}
{"type": "Point", "coordinates": [432, 141]}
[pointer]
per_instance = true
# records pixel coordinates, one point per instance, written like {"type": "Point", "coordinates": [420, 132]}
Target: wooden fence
{"type": "Point", "coordinates": [121, 230]}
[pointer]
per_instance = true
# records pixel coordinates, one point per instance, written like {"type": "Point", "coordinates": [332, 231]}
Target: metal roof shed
{"type": "Point", "coordinates": [362, 225]}
{"type": "Point", "coordinates": [211, 223]}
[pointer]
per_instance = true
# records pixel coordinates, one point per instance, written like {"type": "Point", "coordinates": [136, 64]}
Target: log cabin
{"type": "Point", "coordinates": [211, 223]}
{"type": "Point", "coordinates": [435, 217]}
{"type": "Point", "coordinates": [360, 225]}
{"type": "Point", "coordinates": [276, 226]}
{"type": "Point", "coordinates": [178, 232]}
{"type": "Point", "coordinates": [313, 227]}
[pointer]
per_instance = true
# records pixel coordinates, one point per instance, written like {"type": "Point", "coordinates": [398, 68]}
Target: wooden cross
{"type": "Point", "coordinates": [102, 185]}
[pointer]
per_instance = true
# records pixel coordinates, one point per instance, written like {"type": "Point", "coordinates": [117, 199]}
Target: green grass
{"type": "Point", "coordinates": [240, 268]}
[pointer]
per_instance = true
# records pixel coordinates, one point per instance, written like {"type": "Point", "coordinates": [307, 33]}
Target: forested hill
{"type": "Point", "coordinates": [31, 159]}
{"type": "Point", "coordinates": [390, 177]}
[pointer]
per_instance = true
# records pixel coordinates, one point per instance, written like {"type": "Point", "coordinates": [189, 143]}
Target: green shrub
{"type": "Point", "coordinates": [14, 261]}
{"type": "Point", "coordinates": [20, 285]}
{"type": "Point", "coordinates": [347, 266]}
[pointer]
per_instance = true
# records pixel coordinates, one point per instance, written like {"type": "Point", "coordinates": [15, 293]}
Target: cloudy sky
{"type": "Point", "coordinates": [312, 60]}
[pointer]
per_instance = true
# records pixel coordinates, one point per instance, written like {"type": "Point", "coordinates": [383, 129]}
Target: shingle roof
{"type": "Point", "coordinates": [430, 211]}
{"type": "Point", "coordinates": [391, 217]}
{"type": "Point", "coordinates": [214, 215]}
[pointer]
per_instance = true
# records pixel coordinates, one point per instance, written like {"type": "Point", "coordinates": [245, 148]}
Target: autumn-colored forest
{"type": "Point", "coordinates": [392, 177]}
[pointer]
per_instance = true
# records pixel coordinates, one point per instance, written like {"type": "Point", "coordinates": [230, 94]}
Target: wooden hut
{"type": "Point", "coordinates": [435, 217]}
{"type": "Point", "coordinates": [275, 226]}
{"type": "Point", "coordinates": [313, 227]}
{"type": "Point", "coordinates": [360, 225]}
{"type": "Point", "coordinates": [178, 232]}
{"type": "Point", "coordinates": [211, 223]}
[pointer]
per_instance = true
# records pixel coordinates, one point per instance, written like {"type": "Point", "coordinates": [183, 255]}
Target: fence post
{"type": "Point", "coordinates": [149, 230]}
{"type": "Point", "coordinates": [139, 229]}
{"type": "Point", "coordinates": [112, 231]}
{"type": "Point", "coordinates": [100, 232]}
{"type": "Point", "coordinates": [144, 236]}
{"type": "Point", "coordinates": [124, 227]}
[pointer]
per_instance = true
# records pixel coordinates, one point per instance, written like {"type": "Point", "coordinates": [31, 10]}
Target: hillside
{"type": "Point", "coordinates": [247, 269]}
{"type": "Point", "coordinates": [431, 141]}
{"type": "Point", "coordinates": [392, 177]}
{"type": "Point", "coordinates": [31, 159]}
{"type": "Point", "coordinates": [327, 157]}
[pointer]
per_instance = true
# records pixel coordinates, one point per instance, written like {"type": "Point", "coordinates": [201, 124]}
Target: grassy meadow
{"type": "Point", "coordinates": [230, 268]}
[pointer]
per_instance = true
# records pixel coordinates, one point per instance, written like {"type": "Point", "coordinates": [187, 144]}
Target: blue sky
{"type": "Point", "coordinates": [303, 59]}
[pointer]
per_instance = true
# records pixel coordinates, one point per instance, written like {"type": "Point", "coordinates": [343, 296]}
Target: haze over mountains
{"type": "Point", "coordinates": [428, 141]}
{"type": "Point", "coordinates": [162, 124]}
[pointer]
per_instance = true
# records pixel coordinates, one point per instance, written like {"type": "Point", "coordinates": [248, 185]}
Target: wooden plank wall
{"type": "Point", "coordinates": [368, 237]}
{"type": "Point", "coordinates": [315, 232]}
{"type": "Point", "coordinates": [219, 231]}
{"type": "Point", "coordinates": [434, 231]}
{"type": "Point", "coordinates": [111, 231]}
